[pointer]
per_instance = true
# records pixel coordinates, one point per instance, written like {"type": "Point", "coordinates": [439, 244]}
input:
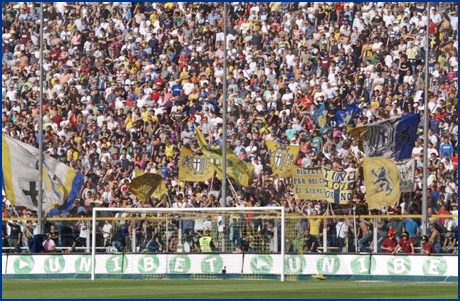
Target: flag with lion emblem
{"type": "Point", "coordinates": [381, 179]}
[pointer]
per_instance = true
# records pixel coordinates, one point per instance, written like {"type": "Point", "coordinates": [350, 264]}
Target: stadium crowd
{"type": "Point", "coordinates": [125, 83]}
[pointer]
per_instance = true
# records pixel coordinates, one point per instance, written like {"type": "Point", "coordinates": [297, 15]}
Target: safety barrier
{"type": "Point", "coordinates": [297, 267]}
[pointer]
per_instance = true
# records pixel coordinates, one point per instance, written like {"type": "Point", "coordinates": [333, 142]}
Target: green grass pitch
{"type": "Point", "coordinates": [220, 289]}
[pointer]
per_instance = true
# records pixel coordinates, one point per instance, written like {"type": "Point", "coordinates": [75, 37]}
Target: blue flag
{"type": "Point", "coordinates": [389, 138]}
{"type": "Point", "coordinates": [320, 118]}
{"type": "Point", "coordinates": [406, 134]}
{"type": "Point", "coordinates": [345, 116]}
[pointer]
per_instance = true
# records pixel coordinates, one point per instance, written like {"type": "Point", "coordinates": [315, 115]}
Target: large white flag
{"type": "Point", "coordinates": [61, 183]}
{"type": "Point", "coordinates": [406, 170]}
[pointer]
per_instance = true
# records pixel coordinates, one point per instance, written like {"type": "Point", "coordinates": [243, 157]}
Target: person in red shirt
{"type": "Point", "coordinates": [156, 94]}
{"type": "Point", "coordinates": [443, 211]}
{"type": "Point", "coordinates": [4, 211]}
{"type": "Point", "coordinates": [389, 244]}
{"type": "Point", "coordinates": [427, 247]}
{"type": "Point", "coordinates": [454, 160]}
{"type": "Point", "coordinates": [406, 244]}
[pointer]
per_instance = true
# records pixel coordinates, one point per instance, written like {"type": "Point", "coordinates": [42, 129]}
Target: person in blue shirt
{"type": "Point", "coordinates": [446, 149]}
{"type": "Point", "coordinates": [411, 227]}
{"type": "Point", "coordinates": [213, 18]}
{"type": "Point", "coordinates": [176, 88]}
{"type": "Point", "coordinates": [290, 132]}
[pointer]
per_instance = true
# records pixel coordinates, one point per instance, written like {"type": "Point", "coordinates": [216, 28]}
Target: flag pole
{"type": "Point", "coordinates": [224, 123]}
{"type": "Point", "coordinates": [224, 114]}
{"type": "Point", "coordinates": [40, 132]}
{"type": "Point", "coordinates": [425, 124]}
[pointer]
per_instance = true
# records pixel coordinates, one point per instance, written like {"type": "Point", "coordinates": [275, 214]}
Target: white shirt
{"type": "Point", "coordinates": [106, 230]}
{"type": "Point", "coordinates": [341, 229]}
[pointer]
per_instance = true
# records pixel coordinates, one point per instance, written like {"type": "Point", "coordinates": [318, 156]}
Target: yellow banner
{"type": "Point", "coordinates": [194, 167]}
{"type": "Point", "coordinates": [146, 185]}
{"type": "Point", "coordinates": [381, 179]}
{"type": "Point", "coordinates": [161, 190]}
{"type": "Point", "coordinates": [358, 134]}
{"type": "Point", "coordinates": [308, 183]}
{"type": "Point", "coordinates": [339, 186]}
{"type": "Point", "coordinates": [282, 157]}
{"type": "Point", "coordinates": [240, 171]}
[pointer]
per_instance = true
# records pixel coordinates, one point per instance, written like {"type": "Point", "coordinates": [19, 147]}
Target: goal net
{"type": "Point", "coordinates": [219, 243]}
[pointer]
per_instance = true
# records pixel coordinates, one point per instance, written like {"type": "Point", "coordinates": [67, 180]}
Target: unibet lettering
{"type": "Point", "coordinates": [179, 265]}
{"type": "Point", "coordinates": [211, 261]}
{"type": "Point", "coordinates": [149, 264]}
{"type": "Point", "coordinates": [398, 265]}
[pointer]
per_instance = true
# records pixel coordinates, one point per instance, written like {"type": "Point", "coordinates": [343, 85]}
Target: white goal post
{"type": "Point", "coordinates": [267, 252]}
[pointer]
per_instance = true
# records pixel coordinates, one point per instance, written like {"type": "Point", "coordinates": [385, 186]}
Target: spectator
{"type": "Point", "coordinates": [341, 230]}
{"type": "Point", "coordinates": [81, 239]}
{"type": "Point", "coordinates": [435, 237]}
{"type": "Point", "coordinates": [366, 235]}
{"type": "Point", "coordinates": [405, 245]}
{"type": "Point", "coordinates": [427, 247]}
{"type": "Point", "coordinates": [15, 234]}
{"type": "Point", "coordinates": [389, 244]}
{"type": "Point", "coordinates": [49, 244]}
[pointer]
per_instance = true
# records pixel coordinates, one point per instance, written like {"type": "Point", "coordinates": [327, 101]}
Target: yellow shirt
{"type": "Point", "coordinates": [375, 104]}
{"type": "Point", "coordinates": [193, 96]}
{"type": "Point", "coordinates": [145, 115]}
{"type": "Point", "coordinates": [129, 122]}
{"type": "Point", "coordinates": [169, 151]}
{"type": "Point", "coordinates": [315, 226]}
{"type": "Point", "coordinates": [153, 117]}
{"type": "Point", "coordinates": [412, 53]}
{"type": "Point", "coordinates": [72, 155]}
{"type": "Point", "coordinates": [153, 18]}
{"type": "Point", "coordinates": [275, 6]}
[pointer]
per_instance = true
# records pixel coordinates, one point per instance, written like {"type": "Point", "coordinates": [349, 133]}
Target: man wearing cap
{"type": "Point", "coordinates": [406, 244]}
{"type": "Point", "coordinates": [389, 243]}
{"type": "Point", "coordinates": [427, 247]}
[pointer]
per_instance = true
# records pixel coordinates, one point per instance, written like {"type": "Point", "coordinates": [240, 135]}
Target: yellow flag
{"type": "Point", "coordinates": [240, 171]}
{"type": "Point", "coordinates": [145, 185]}
{"type": "Point", "coordinates": [282, 158]}
{"type": "Point", "coordinates": [137, 172]}
{"type": "Point", "coordinates": [193, 167]}
{"type": "Point", "coordinates": [381, 179]}
{"type": "Point", "coordinates": [358, 133]}
{"type": "Point", "coordinates": [160, 191]}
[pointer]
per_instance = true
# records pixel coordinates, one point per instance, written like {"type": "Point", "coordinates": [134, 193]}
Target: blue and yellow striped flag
{"type": "Point", "coordinates": [61, 183]}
